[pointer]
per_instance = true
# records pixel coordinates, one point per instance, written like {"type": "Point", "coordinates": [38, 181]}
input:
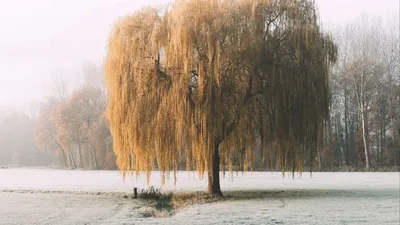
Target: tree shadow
{"type": "Point", "coordinates": [303, 194]}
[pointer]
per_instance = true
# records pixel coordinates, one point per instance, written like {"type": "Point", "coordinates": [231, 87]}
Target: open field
{"type": "Point", "coordinates": [41, 196]}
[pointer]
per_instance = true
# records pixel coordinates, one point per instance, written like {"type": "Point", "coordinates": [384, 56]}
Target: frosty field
{"type": "Point", "coordinates": [44, 196]}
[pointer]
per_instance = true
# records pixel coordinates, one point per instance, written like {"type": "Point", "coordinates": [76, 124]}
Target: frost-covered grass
{"type": "Point", "coordinates": [43, 196]}
{"type": "Point", "coordinates": [111, 181]}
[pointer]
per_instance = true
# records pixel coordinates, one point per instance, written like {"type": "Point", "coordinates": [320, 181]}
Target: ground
{"type": "Point", "coordinates": [42, 196]}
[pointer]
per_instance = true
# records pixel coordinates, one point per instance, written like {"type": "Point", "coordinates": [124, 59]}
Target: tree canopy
{"type": "Point", "coordinates": [215, 79]}
{"type": "Point", "coordinates": [75, 126]}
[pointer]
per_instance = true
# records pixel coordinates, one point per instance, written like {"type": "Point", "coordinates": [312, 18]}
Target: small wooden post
{"type": "Point", "coordinates": [135, 193]}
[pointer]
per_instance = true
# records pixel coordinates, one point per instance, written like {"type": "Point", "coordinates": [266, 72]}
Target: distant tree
{"type": "Point", "coordinates": [90, 104]}
{"type": "Point", "coordinates": [97, 129]}
{"type": "Point", "coordinates": [60, 88]}
{"type": "Point", "coordinates": [68, 122]}
{"type": "Point", "coordinates": [74, 124]}
{"type": "Point", "coordinates": [101, 139]}
{"type": "Point", "coordinates": [213, 77]}
{"type": "Point", "coordinates": [75, 118]}
{"type": "Point", "coordinates": [46, 133]}
{"type": "Point", "coordinates": [363, 84]}
{"type": "Point", "coordinates": [94, 76]}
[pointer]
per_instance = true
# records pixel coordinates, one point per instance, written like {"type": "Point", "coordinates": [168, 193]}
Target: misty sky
{"type": "Point", "coordinates": [40, 39]}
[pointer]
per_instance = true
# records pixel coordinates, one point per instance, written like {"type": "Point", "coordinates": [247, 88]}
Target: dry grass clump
{"type": "Point", "coordinates": [183, 200]}
{"type": "Point", "coordinates": [162, 205]}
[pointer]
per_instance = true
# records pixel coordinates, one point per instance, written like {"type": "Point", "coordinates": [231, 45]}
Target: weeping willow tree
{"type": "Point", "coordinates": [210, 78]}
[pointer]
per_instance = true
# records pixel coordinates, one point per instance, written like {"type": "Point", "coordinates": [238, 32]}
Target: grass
{"type": "Point", "coordinates": [160, 202]}
{"type": "Point", "coordinates": [162, 205]}
{"type": "Point", "coordinates": [359, 169]}
{"type": "Point", "coordinates": [167, 204]}
{"type": "Point", "coordinates": [182, 200]}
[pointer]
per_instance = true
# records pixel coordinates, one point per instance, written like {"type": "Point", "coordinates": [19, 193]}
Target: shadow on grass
{"type": "Point", "coordinates": [173, 202]}
{"type": "Point", "coordinates": [278, 194]}
{"type": "Point", "coordinates": [305, 193]}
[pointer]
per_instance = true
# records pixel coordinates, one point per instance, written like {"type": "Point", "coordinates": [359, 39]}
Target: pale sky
{"type": "Point", "coordinates": [44, 38]}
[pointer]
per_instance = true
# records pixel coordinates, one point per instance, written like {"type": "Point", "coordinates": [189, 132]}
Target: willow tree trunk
{"type": "Point", "coordinates": [214, 187]}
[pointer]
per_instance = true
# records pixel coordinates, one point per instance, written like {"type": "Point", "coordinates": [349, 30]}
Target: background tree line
{"type": "Point", "coordinates": [364, 126]}
{"type": "Point", "coordinates": [70, 129]}
{"type": "Point", "coordinates": [73, 126]}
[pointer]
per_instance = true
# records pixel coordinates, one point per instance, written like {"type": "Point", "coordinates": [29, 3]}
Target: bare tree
{"type": "Point", "coordinates": [368, 54]}
{"type": "Point", "coordinates": [60, 88]}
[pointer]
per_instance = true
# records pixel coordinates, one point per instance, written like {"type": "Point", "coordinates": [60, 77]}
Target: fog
{"type": "Point", "coordinates": [44, 41]}
{"type": "Point", "coordinates": [46, 38]}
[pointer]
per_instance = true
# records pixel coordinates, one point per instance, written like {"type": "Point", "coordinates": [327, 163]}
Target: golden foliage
{"type": "Point", "coordinates": [217, 75]}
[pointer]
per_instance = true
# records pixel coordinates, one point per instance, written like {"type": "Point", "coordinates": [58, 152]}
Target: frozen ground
{"type": "Point", "coordinates": [40, 196]}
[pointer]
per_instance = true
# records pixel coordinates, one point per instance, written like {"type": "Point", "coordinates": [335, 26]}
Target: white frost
{"type": "Point", "coordinates": [43, 196]}
{"type": "Point", "coordinates": [76, 180]}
